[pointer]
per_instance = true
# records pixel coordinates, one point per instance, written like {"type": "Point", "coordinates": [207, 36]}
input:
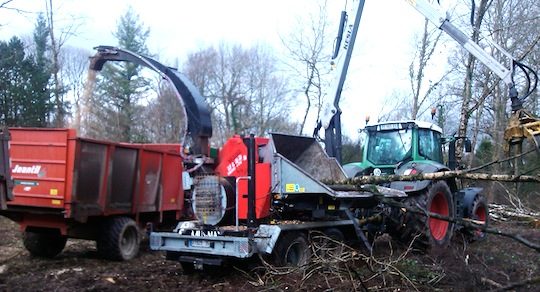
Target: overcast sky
{"type": "Point", "coordinates": [378, 68]}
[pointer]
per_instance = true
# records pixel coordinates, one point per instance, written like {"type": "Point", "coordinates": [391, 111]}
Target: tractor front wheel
{"type": "Point", "coordinates": [478, 212]}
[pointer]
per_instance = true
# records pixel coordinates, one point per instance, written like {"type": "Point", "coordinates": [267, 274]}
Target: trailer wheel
{"type": "Point", "coordinates": [427, 231]}
{"type": "Point", "coordinates": [187, 268]}
{"type": "Point", "coordinates": [479, 211]}
{"type": "Point", "coordinates": [292, 249]}
{"type": "Point", "coordinates": [119, 240]}
{"type": "Point", "coordinates": [46, 243]}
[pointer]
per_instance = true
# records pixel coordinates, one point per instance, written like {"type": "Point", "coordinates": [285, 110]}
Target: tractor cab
{"type": "Point", "coordinates": [387, 146]}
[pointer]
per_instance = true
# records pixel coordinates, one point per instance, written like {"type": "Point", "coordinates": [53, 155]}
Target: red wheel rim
{"type": "Point", "coordinates": [438, 227]}
{"type": "Point", "coordinates": [480, 214]}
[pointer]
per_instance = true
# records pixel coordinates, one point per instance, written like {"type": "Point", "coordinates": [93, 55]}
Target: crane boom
{"type": "Point", "coordinates": [331, 115]}
{"type": "Point", "coordinates": [441, 20]}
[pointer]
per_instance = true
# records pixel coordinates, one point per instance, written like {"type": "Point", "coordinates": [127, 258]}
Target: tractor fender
{"type": "Point", "coordinates": [465, 200]}
{"type": "Point", "coordinates": [353, 170]}
{"type": "Point", "coordinates": [420, 167]}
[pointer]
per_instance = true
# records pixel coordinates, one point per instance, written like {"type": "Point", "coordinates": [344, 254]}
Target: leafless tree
{"type": "Point", "coordinates": [243, 89]}
{"type": "Point", "coordinates": [166, 115]}
{"type": "Point", "coordinates": [73, 71]}
{"type": "Point", "coordinates": [57, 42]}
{"type": "Point", "coordinates": [310, 56]}
{"type": "Point", "coordinates": [470, 65]}
{"type": "Point", "coordinates": [4, 3]}
{"type": "Point", "coordinates": [423, 55]}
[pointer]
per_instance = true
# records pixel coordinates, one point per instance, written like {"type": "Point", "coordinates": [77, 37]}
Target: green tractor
{"type": "Point", "coordinates": [413, 147]}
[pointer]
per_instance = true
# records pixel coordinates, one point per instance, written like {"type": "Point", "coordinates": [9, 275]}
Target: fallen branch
{"type": "Point", "coordinates": [463, 174]}
{"type": "Point", "coordinates": [519, 284]}
{"type": "Point", "coordinates": [467, 223]}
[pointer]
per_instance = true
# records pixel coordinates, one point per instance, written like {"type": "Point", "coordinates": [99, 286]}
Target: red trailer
{"type": "Point", "coordinates": [59, 186]}
{"type": "Point", "coordinates": [70, 187]}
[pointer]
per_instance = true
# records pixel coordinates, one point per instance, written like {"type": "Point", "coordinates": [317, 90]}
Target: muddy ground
{"type": "Point", "coordinates": [491, 264]}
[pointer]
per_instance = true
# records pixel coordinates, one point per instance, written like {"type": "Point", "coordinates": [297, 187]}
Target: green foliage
{"type": "Point", "coordinates": [24, 95]}
{"type": "Point", "coordinates": [117, 114]}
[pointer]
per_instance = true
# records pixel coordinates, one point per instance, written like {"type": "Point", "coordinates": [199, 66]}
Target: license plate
{"type": "Point", "coordinates": [200, 243]}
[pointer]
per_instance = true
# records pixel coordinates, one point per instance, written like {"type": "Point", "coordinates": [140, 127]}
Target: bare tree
{"type": "Point", "coordinates": [243, 89]}
{"type": "Point", "coordinates": [468, 82]}
{"type": "Point", "coordinates": [57, 42]}
{"type": "Point", "coordinates": [74, 67]}
{"type": "Point", "coordinates": [310, 56]}
{"type": "Point", "coordinates": [424, 52]}
{"type": "Point", "coordinates": [166, 114]}
{"type": "Point", "coordinates": [4, 3]}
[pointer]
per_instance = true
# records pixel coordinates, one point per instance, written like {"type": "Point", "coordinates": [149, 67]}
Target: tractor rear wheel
{"type": "Point", "coordinates": [45, 243]}
{"type": "Point", "coordinates": [426, 231]}
{"type": "Point", "coordinates": [292, 250]}
{"type": "Point", "coordinates": [119, 240]}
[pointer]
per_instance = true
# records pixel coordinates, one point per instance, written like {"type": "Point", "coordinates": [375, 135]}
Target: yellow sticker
{"type": "Point", "coordinates": [302, 190]}
{"type": "Point", "coordinates": [53, 192]}
{"type": "Point", "coordinates": [56, 202]}
{"type": "Point", "coordinates": [289, 188]}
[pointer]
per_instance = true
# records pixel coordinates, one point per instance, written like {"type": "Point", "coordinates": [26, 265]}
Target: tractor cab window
{"type": "Point", "coordinates": [429, 145]}
{"type": "Point", "coordinates": [389, 147]}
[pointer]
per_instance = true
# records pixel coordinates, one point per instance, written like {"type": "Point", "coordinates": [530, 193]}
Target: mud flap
{"type": "Point", "coordinates": [6, 184]}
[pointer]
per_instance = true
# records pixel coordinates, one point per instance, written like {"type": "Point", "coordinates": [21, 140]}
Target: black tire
{"type": "Point", "coordinates": [44, 243]}
{"type": "Point", "coordinates": [119, 240]}
{"type": "Point", "coordinates": [480, 212]}
{"type": "Point", "coordinates": [292, 249]}
{"type": "Point", "coordinates": [327, 242]}
{"type": "Point", "coordinates": [426, 231]}
{"type": "Point", "coordinates": [187, 268]}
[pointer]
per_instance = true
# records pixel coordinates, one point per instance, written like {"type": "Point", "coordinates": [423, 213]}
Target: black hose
{"type": "Point", "coordinates": [473, 10]}
{"type": "Point", "coordinates": [532, 83]}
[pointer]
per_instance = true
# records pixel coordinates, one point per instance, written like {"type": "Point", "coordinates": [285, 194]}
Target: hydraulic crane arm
{"type": "Point", "coordinates": [441, 20]}
{"type": "Point", "coordinates": [522, 124]}
{"type": "Point", "coordinates": [331, 115]}
{"type": "Point", "coordinates": [198, 124]}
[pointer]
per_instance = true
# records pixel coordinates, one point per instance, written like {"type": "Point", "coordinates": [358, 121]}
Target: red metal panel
{"type": "Point", "coordinates": [149, 181]}
{"type": "Point", "coordinates": [39, 166]}
{"type": "Point", "coordinates": [171, 148]}
{"type": "Point", "coordinates": [233, 162]}
{"type": "Point", "coordinates": [70, 159]}
{"type": "Point", "coordinates": [233, 156]}
{"type": "Point", "coordinates": [262, 192]}
{"type": "Point", "coordinates": [173, 194]}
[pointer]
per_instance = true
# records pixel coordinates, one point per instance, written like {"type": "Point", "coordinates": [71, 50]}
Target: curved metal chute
{"type": "Point", "coordinates": [199, 124]}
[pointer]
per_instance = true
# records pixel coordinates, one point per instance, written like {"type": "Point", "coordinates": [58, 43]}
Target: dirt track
{"type": "Point", "coordinates": [463, 267]}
